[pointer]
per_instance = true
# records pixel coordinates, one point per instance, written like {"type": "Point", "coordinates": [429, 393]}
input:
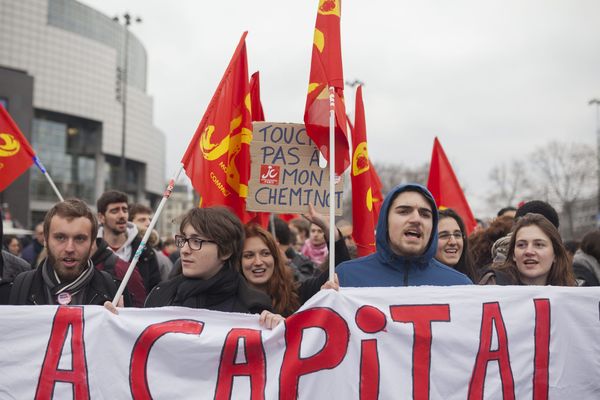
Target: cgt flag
{"type": "Point", "coordinates": [16, 155]}
{"type": "Point", "coordinates": [446, 190]}
{"type": "Point", "coordinates": [326, 71]}
{"type": "Point", "coordinates": [217, 159]}
{"type": "Point", "coordinates": [366, 186]}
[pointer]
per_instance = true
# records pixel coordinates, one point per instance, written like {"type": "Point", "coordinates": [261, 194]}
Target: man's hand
{"type": "Point", "coordinates": [335, 285]}
{"type": "Point", "coordinates": [109, 306]}
{"type": "Point", "coordinates": [269, 320]}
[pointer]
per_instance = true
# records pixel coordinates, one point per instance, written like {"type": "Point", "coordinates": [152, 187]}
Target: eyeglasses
{"type": "Point", "coordinates": [194, 243]}
{"type": "Point", "coordinates": [446, 236]}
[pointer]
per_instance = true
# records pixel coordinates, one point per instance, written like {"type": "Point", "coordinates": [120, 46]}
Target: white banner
{"type": "Point", "coordinates": [385, 343]}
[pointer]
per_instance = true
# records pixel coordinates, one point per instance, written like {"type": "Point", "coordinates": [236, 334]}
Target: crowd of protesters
{"type": "Point", "coordinates": [215, 262]}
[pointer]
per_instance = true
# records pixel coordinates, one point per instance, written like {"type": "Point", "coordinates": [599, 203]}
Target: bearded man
{"type": "Point", "coordinates": [67, 276]}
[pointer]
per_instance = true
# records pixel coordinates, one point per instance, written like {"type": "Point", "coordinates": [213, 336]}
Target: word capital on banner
{"type": "Point", "coordinates": [404, 343]}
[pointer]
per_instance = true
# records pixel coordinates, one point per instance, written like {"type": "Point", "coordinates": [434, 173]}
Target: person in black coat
{"type": "Point", "coordinates": [67, 276]}
{"type": "Point", "coordinates": [210, 242]}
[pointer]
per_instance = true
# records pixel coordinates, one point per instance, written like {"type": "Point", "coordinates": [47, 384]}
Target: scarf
{"type": "Point", "coordinates": [75, 289]}
{"type": "Point", "coordinates": [204, 293]}
{"type": "Point", "coordinates": [316, 253]}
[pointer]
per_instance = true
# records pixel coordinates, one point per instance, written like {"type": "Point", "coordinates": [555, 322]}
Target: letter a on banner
{"type": "Point", "coordinates": [65, 318]}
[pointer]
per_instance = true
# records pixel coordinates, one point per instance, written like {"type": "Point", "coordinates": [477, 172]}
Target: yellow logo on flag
{"type": "Point", "coordinates": [369, 200]}
{"type": "Point", "coordinates": [231, 144]}
{"type": "Point", "coordinates": [360, 160]}
{"type": "Point", "coordinates": [10, 147]}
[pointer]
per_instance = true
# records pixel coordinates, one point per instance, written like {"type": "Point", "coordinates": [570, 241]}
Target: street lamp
{"type": "Point", "coordinates": [122, 77]}
{"type": "Point", "coordinates": [596, 102]}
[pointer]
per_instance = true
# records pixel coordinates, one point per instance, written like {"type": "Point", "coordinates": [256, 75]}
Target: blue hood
{"type": "Point", "coordinates": [384, 251]}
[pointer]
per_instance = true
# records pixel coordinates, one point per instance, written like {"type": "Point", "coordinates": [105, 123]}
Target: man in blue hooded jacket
{"type": "Point", "coordinates": [406, 245]}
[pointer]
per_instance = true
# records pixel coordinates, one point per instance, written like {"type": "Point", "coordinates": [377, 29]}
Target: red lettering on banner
{"type": "Point", "coordinates": [138, 379]}
{"type": "Point", "coordinates": [421, 316]}
{"type": "Point", "coordinates": [331, 355]}
{"type": "Point", "coordinates": [369, 319]}
{"type": "Point", "coordinates": [492, 317]}
{"type": "Point", "coordinates": [255, 366]}
{"type": "Point", "coordinates": [65, 318]}
{"type": "Point", "coordinates": [369, 370]}
{"type": "Point", "coordinates": [541, 359]}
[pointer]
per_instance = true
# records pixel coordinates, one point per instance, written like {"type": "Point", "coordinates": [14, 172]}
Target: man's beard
{"type": "Point", "coordinates": [115, 230]}
{"type": "Point", "coordinates": [68, 275]}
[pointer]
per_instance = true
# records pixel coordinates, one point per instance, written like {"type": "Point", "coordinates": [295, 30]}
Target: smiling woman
{"type": "Point", "coordinates": [453, 248]}
{"type": "Point", "coordinates": [536, 256]}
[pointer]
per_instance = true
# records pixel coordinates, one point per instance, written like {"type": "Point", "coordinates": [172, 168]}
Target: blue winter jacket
{"type": "Point", "coordinates": [385, 268]}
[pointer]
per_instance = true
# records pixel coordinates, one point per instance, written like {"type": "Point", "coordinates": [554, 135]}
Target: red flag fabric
{"type": "Point", "coordinates": [256, 105]}
{"type": "Point", "coordinates": [325, 71]}
{"type": "Point", "coordinates": [16, 155]}
{"type": "Point", "coordinates": [366, 186]}
{"type": "Point", "coordinates": [260, 218]}
{"type": "Point", "coordinates": [446, 190]}
{"type": "Point", "coordinates": [217, 159]}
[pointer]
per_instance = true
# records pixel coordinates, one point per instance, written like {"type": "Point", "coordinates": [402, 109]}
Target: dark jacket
{"type": "Point", "coordinates": [147, 264]}
{"type": "Point", "coordinates": [105, 259]}
{"type": "Point", "coordinates": [31, 252]}
{"type": "Point", "coordinates": [243, 298]}
{"type": "Point", "coordinates": [29, 289]}
{"type": "Point", "coordinates": [11, 266]}
{"type": "Point", "coordinates": [586, 269]}
{"type": "Point", "coordinates": [385, 268]}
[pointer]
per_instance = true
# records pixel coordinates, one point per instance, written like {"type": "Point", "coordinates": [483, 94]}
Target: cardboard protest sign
{"type": "Point", "coordinates": [285, 175]}
{"type": "Point", "coordinates": [461, 342]}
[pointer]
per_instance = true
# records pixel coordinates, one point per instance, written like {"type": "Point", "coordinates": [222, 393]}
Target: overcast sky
{"type": "Point", "coordinates": [492, 79]}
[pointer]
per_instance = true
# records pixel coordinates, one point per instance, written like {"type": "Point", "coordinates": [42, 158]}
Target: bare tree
{"type": "Point", "coordinates": [510, 184]}
{"type": "Point", "coordinates": [394, 174]}
{"type": "Point", "coordinates": [565, 174]}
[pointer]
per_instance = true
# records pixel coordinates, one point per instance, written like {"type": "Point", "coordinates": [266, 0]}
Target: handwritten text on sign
{"type": "Point", "coordinates": [286, 176]}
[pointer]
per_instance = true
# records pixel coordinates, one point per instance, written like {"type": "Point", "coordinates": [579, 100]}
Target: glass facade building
{"type": "Point", "coordinates": [76, 56]}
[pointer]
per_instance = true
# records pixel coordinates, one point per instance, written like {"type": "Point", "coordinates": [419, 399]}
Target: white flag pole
{"type": "Point", "coordinates": [39, 164]}
{"type": "Point", "coordinates": [331, 183]}
{"type": "Point", "coordinates": [140, 248]}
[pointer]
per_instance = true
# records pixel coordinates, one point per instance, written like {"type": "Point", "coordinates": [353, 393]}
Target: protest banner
{"type": "Point", "coordinates": [390, 343]}
{"type": "Point", "coordinates": [285, 175]}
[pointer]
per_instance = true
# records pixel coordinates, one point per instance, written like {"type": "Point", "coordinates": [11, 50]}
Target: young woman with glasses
{"type": "Point", "coordinates": [211, 242]}
{"type": "Point", "coordinates": [453, 247]}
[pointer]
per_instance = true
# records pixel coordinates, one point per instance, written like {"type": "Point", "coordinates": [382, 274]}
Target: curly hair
{"type": "Point", "coordinates": [481, 242]}
{"type": "Point", "coordinates": [281, 286]}
{"type": "Point", "coordinates": [561, 272]}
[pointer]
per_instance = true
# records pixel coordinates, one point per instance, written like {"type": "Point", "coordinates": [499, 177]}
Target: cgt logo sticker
{"type": "Point", "coordinates": [269, 174]}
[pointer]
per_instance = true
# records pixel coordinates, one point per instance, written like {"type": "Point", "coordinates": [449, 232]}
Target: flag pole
{"type": "Point", "coordinates": [39, 164]}
{"type": "Point", "coordinates": [331, 183]}
{"type": "Point", "coordinates": [140, 248]}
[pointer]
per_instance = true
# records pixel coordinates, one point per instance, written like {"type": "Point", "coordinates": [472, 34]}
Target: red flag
{"type": "Point", "coordinates": [446, 190]}
{"type": "Point", "coordinates": [260, 218]}
{"type": "Point", "coordinates": [256, 106]}
{"type": "Point", "coordinates": [16, 155]}
{"type": "Point", "coordinates": [366, 187]}
{"type": "Point", "coordinates": [217, 159]}
{"type": "Point", "coordinates": [326, 70]}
